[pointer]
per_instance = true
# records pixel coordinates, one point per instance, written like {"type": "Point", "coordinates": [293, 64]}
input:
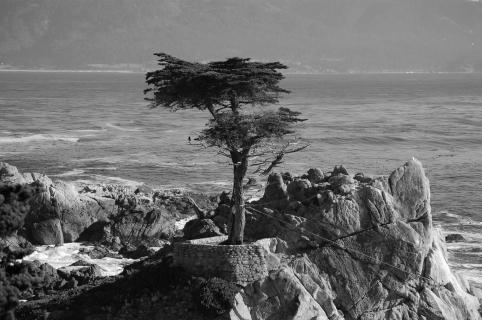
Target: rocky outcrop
{"type": "Point", "coordinates": [57, 203]}
{"type": "Point", "coordinates": [332, 246]}
{"type": "Point", "coordinates": [113, 214]}
{"type": "Point", "coordinates": [370, 252]}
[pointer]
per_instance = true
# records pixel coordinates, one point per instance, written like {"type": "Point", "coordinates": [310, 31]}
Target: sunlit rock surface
{"type": "Point", "coordinates": [360, 248]}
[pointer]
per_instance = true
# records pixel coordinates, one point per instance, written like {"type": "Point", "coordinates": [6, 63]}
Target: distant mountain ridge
{"type": "Point", "coordinates": [308, 35]}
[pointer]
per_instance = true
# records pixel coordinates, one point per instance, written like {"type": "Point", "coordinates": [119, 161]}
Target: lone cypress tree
{"type": "Point", "coordinates": [225, 89]}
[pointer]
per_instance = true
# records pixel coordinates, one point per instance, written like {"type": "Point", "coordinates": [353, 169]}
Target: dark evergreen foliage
{"type": "Point", "coordinates": [13, 208]}
{"type": "Point", "coordinates": [239, 131]}
{"type": "Point", "coordinates": [216, 296]}
{"type": "Point", "coordinates": [217, 85]}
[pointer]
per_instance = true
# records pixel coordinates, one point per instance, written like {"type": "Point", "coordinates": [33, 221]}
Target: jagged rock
{"type": "Point", "coordinates": [47, 232]}
{"type": "Point", "coordinates": [377, 255]}
{"type": "Point", "coordinates": [99, 252]}
{"type": "Point", "coordinates": [315, 175]}
{"type": "Point", "coordinates": [201, 228]}
{"type": "Point", "coordinates": [138, 225]}
{"type": "Point", "coordinates": [16, 246]}
{"type": "Point", "coordinates": [362, 178]}
{"type": "Point", "coordinates": [154, 212]}
{"type": "Point", "coordinates": [454, 237]}
{"type": "Point", "coordinates": [57, 200]}
{"type": "Point", "coordinates": [341, 183]}
{"type": "Point", "coordinates": [143, 189]}
{"type": "Point", "coordinates": [275, 192]}
{"type": "Point", "coordinates": [282, 295]}
{"type": "Point", "coordinates": [99, 231]}
{"type": "Point", "coordinates": [411, 190]}
{"type": "Point", "coordinates": [40, 275]}
{"type": "Point", "coordinates": [297, 189]}
{"type": "Point", "coordinates": [132, 252]}
{"type": "Point", "coordinates": [80, 271]}
{"type": "Point", "coordinates": [287, 177]}
{"type": "Point", "coordinates": [339, 170]}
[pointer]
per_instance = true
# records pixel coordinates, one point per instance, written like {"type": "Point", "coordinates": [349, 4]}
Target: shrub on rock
{"type": "Point", "coordinates": [216, 296]}
{"type": "Point", "coordinates": [13, 207]}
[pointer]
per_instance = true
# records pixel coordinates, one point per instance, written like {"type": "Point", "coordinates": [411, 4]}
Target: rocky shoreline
{"type": "Point", "coordinates": [346, 247]}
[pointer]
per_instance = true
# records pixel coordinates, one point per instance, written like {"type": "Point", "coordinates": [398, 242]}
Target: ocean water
{"type": "Point", "coordinates": [96, 127]}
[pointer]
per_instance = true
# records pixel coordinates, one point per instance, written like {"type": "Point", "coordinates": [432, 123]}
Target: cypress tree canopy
{"type": "Point", "coordinates": [221, 84]}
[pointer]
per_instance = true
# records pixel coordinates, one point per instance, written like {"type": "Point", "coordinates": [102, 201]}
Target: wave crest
{"type": "Point", "coordinates": [38, 137]}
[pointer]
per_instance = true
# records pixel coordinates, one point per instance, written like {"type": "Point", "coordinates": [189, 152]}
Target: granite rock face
{"type": "Point", "coordinates": [57, 201]}
{"type": "Point", "coordinates": [201, 228]}
{"type": "Point", "coordinates": [370, 253]}
{"type": "Point", "coordinates": [61, 211]}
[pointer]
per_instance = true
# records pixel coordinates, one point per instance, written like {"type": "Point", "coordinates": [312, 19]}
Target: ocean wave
{"type": "Point", "coordinates": [469, 272]}
{"type": "Point", "coordinates": [100, 168]}
{"type": "Point", "coordinates": [469, 266]}
{"type": "Point", "coordinates": [216, 183]}
{"type": "Point", "coordinates": [114, 126]}
{"type": "Point", "coordinates": [472, 247]}
{"type": "Point", "coordinates": [182, 222]}
{"type": "Point", "coordinates": [109, 159]}
{"type": "Point", "coordinates": [90, 130]}
{"type": "Point", "coordinates": [450, 219]}
{"type": "Point", "coordinates": [73, 172]}
{"type": "Point", "coordinates": [38, 137]}
{"type": "Point", "coordinates": [96, 179]}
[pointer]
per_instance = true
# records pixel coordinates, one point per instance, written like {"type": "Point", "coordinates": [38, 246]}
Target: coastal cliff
{"type": "Point", "coordinates": [334, 246]}
{"type": "Point", "coordinates": [357, 248]}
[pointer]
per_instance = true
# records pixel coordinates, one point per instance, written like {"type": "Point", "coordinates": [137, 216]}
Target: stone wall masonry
{"type": "Point", "coordinates": [241, 264]}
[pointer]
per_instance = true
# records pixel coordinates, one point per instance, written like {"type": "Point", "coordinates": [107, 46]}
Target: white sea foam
{"type": "Point", "coordinates": [73, 172]}
{"type": "Point", "coordinates": [62, 256]}
{"type": "Point", "coordinates": [90, 130]}
{"type": "Point", "coordinates": [216, 183]}
{"type": "Point", "coordinates": [181, 223]}
{"type": "Point", "coordinates": [100, 168]}
{"type": "Point", "coordinates": [37, 137]}
{"type": "Point", "coordinates": [114, 126]}
{"type": "Point", "coordinates": [466, 247]}
{"type": "Point", "coordinates": [110, 159]}
{"type": "Point", "coordinates": [96, 179]}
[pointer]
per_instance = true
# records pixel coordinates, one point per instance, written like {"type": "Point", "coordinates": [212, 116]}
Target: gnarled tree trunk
{"type": "Point", "coordinates": [240, 163]}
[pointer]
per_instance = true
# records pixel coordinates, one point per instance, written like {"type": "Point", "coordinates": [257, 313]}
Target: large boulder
{"type": "Point", "coordinates": [315, 175]}
{"type": "Point", "coordinates": [298, 189]}
{"type": "Point", "coordinates": [81, 272]}
{"type": "Point", "coordinates": [410, 189]}
{"type": "Point", "coordinates": [275, 193]}
{"type": "Point", "coordinates": [295, 291]}
{"type": "Point", "coordinates": [201, 228]}
{"type": "Point", "coordinates": [47, 232]}
{"type": "Point", "coordinates": [141, 226]}
{"type": "Point", "coordinates": [16, 246]}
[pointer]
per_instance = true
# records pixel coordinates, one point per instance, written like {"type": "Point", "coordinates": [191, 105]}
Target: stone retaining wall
{"type": "Point", "coordinates": [241, 264]}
